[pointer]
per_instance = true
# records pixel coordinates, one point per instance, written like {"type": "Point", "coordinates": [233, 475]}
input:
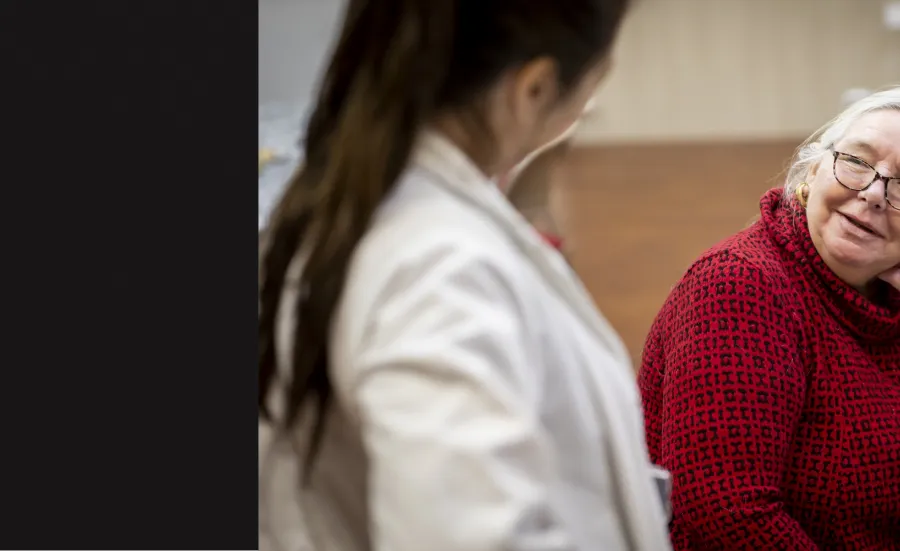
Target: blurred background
{"type": "Point", "coordinates": [704, 107]}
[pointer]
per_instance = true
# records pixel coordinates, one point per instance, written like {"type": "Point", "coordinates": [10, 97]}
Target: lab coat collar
{"type": "Point", "coordinates": [453, 170]}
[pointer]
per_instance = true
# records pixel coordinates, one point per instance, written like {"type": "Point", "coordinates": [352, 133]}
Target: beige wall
{"type": "Point", "coordinates": [740, 69]}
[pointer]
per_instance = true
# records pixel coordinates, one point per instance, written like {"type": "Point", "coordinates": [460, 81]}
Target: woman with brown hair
{"type": "Point", "coordinates": [434, 376]}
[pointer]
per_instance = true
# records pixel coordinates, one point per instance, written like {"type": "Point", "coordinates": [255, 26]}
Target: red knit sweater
{"type": "Point", "coordinates": [772, 393]}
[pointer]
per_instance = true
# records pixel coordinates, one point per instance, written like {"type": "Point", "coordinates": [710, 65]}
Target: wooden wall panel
{"type": "Point", "coordinates": [739, 69]}
{"type": "Point", "coordinates": [637, 216]}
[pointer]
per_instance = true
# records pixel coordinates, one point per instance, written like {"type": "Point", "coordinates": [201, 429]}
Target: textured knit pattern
{"type": "Point", "coordinates": [772, 393]}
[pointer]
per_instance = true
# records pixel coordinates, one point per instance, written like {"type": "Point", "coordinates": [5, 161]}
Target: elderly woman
{"type": "Point", "coordinates": [771, 377]}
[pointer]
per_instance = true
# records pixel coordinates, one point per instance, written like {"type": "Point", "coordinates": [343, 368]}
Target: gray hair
{"type": "Point", "coordinates": [816, 146]}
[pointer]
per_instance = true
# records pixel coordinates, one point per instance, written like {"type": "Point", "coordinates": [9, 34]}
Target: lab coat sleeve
{"type": "Point", "coordinates": [447, 395]}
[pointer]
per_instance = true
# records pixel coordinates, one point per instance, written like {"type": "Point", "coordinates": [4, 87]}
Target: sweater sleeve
{"type": "Point", "coordinates": [732, 393]}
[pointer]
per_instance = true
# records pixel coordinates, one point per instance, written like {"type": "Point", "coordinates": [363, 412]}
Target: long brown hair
{"type": "Point", "coordinates": [397, 64]}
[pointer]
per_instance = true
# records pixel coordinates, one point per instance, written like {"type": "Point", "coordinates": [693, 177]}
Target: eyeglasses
{"type": "Point", "coordinates": [857, 175]}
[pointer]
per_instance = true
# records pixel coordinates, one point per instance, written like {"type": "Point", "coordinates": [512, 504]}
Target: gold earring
{"type": "Point", "coordinates": [802, 194]}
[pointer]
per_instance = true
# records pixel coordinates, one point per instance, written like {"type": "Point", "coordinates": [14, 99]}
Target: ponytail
{"type": "Point", "coordinates": [380, 89]}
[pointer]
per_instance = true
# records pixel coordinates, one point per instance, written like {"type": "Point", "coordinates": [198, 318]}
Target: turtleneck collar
{"type": "Point", "coordinates": [786, 223]}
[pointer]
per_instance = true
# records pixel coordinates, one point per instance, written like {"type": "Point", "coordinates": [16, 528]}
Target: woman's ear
{"type": "Point", "coordinates": [814, 168]}
{"type": "Point", "coordinates": [535, 90]}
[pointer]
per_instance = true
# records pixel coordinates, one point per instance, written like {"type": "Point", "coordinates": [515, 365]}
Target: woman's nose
{"type": "Point", "coordinates": [874, 195]}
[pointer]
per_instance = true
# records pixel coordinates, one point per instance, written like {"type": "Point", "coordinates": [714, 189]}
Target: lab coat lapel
{"type": "Point", "coordinates": [455, 172]}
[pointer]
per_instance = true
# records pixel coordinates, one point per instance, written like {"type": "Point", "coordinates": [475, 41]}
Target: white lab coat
{"type": "Point", "coordinates": [484, 403]}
